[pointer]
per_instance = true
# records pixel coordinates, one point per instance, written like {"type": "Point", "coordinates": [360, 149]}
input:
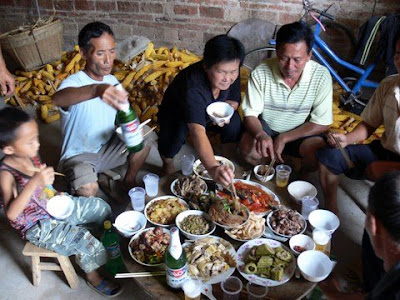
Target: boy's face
{"type": "Point", "coordinates": [26, 143]}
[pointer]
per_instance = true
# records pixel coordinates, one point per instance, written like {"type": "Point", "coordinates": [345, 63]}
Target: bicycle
{"type": "Point", "coordinates": [352, 86]}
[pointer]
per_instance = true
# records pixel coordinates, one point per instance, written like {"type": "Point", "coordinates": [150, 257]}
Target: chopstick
{"type": "Point", "coordinates": [236, 200]}
{"type": "Point", "coordinates": [140, 274]}
{"type": "Point", "coordinates": [344, 153]}
{"type": "Point", "coordinates": [270, 166]}
{"type": "Point", "coordinates": [33, 169]}
{"type": "Point", "coordinates": [144, 135]}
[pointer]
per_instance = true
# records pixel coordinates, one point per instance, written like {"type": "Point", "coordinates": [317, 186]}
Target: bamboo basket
{"type": "Point", "coordinates": [32, 49]}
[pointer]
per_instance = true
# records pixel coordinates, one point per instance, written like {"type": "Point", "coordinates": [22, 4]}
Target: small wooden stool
{"type": "Point", "coordinates": [64, 264]}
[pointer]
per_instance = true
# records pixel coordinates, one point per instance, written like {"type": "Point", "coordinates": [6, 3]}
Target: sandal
{"type": "Point", "coordinates": [104, 289]}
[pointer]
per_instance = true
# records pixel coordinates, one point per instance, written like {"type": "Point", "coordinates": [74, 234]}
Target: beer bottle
{"type": "Point", "coordinates": [129, 123]}
{"type": "Point", "coordinates": [110, 241]}
{"type": "Point", "coordinates": [175, 261]}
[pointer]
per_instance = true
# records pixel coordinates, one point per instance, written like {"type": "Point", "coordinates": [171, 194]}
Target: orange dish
{"type": "Point", "coordinates": [253, 197]}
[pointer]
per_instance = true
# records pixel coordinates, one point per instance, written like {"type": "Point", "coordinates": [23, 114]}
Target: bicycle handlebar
{"type": "Point", "coordinates": [308, 6]}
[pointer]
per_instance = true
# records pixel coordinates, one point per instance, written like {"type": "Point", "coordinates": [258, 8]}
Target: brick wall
{"type": "Point", "coordinates": [186, 23]}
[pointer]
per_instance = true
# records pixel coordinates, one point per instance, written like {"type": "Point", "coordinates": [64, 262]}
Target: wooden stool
{"type": "Point", "coordinates": [64, 264]}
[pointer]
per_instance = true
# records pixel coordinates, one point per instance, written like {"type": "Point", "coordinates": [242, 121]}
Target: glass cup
{"type": "Point", "coordinates": [187, 161]}
{"type": "Point", "coordinates": [192, 289]}
{"type": "Point", "coordinates": [321, 239]}
{"type": "Point", "coordinates": [151, 184]}
{"type": "Point", "coordinates": [231, 288]}
{"type": "Point", "coordinates": [255, 291]}
{"type": "Point", "coordinates": [282, 175]}
{"type": "Point", "coordinates": [308, 204]}
{"type": "Point", "coordinates": [137, 195]}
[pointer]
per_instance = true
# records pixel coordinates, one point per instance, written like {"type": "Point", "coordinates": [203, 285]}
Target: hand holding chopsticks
{"type": "Point", "coordinates": [349, 163]}
{"type": "Point", "coordinates": [270, 166]}
{"type": "Point", "coordinates": [34, 169]}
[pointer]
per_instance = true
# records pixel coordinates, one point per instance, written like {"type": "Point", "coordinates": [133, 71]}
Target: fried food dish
{"type": "Point", "coordinates": [224, 212]}
{"type": "Point", "coordinates": [164, 211]}
{"type": "Point", "coordinates": [190, 186]}
{"type": "Point", "coordinates": [253, 229]}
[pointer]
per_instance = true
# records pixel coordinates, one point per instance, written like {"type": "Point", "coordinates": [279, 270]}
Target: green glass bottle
{"type": "Point", "coordinates": [175, 261]}
{"type": "Point", "coordinates": [110, 241]}
{"type": "Point", "coordinates": [129, 123]}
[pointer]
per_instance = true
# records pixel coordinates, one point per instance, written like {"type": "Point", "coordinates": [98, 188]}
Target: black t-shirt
{"type": "Point", "coordinates": [189, 94]}
{"type": "Point", "coordinates": [388, 287]}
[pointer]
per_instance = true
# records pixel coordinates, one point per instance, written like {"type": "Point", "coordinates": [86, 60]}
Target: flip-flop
{"type": "Point", "coordinates": [104, 289]}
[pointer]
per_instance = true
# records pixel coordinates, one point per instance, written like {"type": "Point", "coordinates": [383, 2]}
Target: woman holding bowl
{"type": "Point", "coordinates": [183, 109]}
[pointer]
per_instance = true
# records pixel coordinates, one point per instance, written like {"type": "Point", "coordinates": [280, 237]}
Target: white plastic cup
{"type": "Point", "coordinates": [255, 291]}
{"type": "Point", "coordinates": [321, 239]}
{"type": "Point", "coordinates": [192, 289]}
{"type": "Point", "coordinates": [187, 161]}
{"type": "Point", "coordinates": [282, 175]}
{"type": "Point", "coordinates": [137, 195]}
{"type": "Point", "coordinates": [151, 184]}
{"type": "Point", "coordinates": [308, 204]}
{"type": "Point", "coordinates": [231, 288]}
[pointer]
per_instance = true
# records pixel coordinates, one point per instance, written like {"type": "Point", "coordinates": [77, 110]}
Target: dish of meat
{"type": "Point", "coordinates": [188, 187]}
{"type": "Point", "coordinates": [286, 222]}
{"type": "Point", "coordinates": [200, 170]}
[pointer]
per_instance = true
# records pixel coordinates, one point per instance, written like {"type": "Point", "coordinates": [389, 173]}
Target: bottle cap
{"type": "Point", "coordinates": [107, 224]}
{"type": "Point", "coordinates": [125, 106]}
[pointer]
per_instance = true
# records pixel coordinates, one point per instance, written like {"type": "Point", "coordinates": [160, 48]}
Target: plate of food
{"type": "Point", "coordinates": [200, 170]}
{"type": "Point", "coordinates": [256, 197]}
{"type": "Point", "coordinates": [148, 246]}
{"type": "Point", "coordinates": [228, 213]}
{"type": "Point", "coordinates": [253, 229]}
{"type": "Point", "coordinates": [162, 211]}
{"type": "Point", "coordinates": [188, 187]}
{"type": "Point", "coordinates": [286, 222]}
{"type": "Point", "coordinates": [211, 259]}
{"type": "Point", "coordinates": [266, 262]}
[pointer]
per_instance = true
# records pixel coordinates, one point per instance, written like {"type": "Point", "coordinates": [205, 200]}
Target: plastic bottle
{"type": "Point", "coordinates": [110, 241]}
{"type": "Point", "coordinates": [175, 261]}
{"type": "Point", "coordinates": [129, 122]}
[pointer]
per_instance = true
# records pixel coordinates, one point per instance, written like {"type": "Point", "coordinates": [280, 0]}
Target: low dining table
{"type": "Point", "coordinates": [156, 287]}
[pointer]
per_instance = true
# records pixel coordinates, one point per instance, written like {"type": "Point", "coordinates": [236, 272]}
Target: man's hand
{"type": "Point", "coordinates": [7, 82]}
{"type": "Point", "coordinates": [279, 145]}
{"type": "Point", "coordinates": [111, 95]}
{"type": "Point", "coordinates": [265, 145]}
{"type": "Point", "coordinates": [222, 174]}
{"type": "Point", "coordinates": [341, 138]}
{"type": "Point", "coordinates": [45, 176]}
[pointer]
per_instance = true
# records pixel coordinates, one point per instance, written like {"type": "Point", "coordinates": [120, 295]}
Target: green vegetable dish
{"type": "Point", "coordinates": [195, 224]}
{"type": "Point", "coordinates": [267, 262]}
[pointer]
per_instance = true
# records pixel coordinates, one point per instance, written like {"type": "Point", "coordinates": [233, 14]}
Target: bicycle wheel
{"type": "Point", "coordinates": [254, 57]}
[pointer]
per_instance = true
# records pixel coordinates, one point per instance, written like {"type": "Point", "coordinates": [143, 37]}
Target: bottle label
{"type": "Point", "coordinates": [113, 251]}
{"type": "Point", "coordinates": [132, 134]}
{"type": "Point", "coordinates": [176, 277]}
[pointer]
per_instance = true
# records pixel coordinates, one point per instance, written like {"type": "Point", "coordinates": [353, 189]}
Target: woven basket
{"type": "Point", "coordinates": [35, 48]}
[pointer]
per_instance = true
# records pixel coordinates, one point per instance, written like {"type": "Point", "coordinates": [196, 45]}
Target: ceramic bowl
{"type": "Point", "coordinates": [187, 213]}
{"type": "Point", "coordinates": [60, 207]}
{"type": "Point", "coordinates": [130, 222]}
{"type": "Point", "coordinates": [303, 241]}
{"type": "Point", "coordinates": [260, 177]}
{"type": "Point", "coordinates": [299, 189]}
{"type": "Point", "coordinates": [324, 220]}
{"type": "Point", "coordinates": [314, 265]}
{"type": "Point", "coordinates": [280, 234]}
{"type": "Point", "coordinates": [220, 112]}
{"type": "Point", "coordinates": [163, 210]}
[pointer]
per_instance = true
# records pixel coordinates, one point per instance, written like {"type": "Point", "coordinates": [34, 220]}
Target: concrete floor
{"type": "Point", "coordinates": [16, 278]}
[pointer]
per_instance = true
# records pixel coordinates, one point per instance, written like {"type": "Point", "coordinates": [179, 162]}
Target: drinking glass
{"type": "Point", "coordinates": [187, 161]}
{"type": "Point", "coordinates": [321, 239]}
{"type": "Point", "coordinates": [282, 175]}
{"type": "Point", "coordinates": [231, 288]}
{"type": "Point", "coordinates": [255, 291]}
{"type": "Point", "coordinates": [137, 195]}
{"type": "Point", "coordinates": [151, 184]}
{"type": "Point", "coordinates": [308, 204]}
{"type": "Point", "coordinates": [192, 289]}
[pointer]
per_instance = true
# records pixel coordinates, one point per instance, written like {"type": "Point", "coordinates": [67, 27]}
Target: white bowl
{"type": "Point", "coordinates": [118, 130]}
{"type": "Point", "coordinates": [314, 265]}
{"type": "Point", "coordinates": [220, 112]}
{"type": "Point", "coordinates": [60, 207]}
{"type": "Point", "coordinates": [262, 177]}
{"type": "Point", "coordinates": [299, 189]}
{"type": "Point", "coordinates": [173, 183]}
{"type": "Point", "coordinates": [303, 241]}
{"type": "Point", "coordinates": [324, 220]}
{"type": "Point", "coordinates": [163, 198]}
{"type": "Point", "coordinates": [191, 236]}
{"type": "Point", "coordinates": [130, 222]}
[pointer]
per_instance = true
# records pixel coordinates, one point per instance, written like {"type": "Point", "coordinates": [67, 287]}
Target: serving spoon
{"type": "Point", "coordinates": [206, 290]}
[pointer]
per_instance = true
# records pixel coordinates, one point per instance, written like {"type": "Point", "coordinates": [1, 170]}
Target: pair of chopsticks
{"type": "Point", "coordinates": [270, 166]}
{"type": "Point", "coordinates": [344, 153]}
{"type": "Point", "coordinates": [144, 135]}
{"type": "Point", "coordinates": [140, 274]}
{"type": "Point", "coordinates": [236, 199]}
{"type": "Point", "coordinates": [33, 169]}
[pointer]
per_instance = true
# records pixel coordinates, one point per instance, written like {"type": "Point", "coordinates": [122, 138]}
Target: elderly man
{"type": "Point", "coordinates": [382, 108]}
{"type": "Point", "coordinates": [288, 103]}
{"type": "Point", "coordinates": [88, 102]}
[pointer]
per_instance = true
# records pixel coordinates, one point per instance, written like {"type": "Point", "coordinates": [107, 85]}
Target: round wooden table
{"type": "Point", "coordinates": [157, 288]}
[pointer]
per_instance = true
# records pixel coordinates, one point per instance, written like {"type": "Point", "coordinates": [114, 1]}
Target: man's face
{"type": "Point", "coordinates": [100, 56]}
{"type": "Point", "coordinates": [397, 56]}
{"type": "Point", "coordinates": [223, 74]}
{"type": "Point", "coordinates": [292, 59]}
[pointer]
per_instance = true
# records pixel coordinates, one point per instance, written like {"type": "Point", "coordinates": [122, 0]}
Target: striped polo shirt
{"type": "Point", "coordinates": [282, 108]}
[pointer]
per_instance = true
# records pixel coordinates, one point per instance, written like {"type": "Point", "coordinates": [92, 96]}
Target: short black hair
{"type": "Point", "coordinates": [222, 48]}
{"type": "Point", "coordinates": [396, 39]}
{"type": "Point", "coordinates": [92, 30]}
{"type": "Point", "coordinates": [293, 33]}
{"type": "Point", "coordinates": [384, 203]}
{"type": "Point", "coordinates": [11, 119]}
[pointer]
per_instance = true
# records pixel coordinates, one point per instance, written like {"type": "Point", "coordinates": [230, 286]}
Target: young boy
{"type": "Point", "coordinates": [25, 194]}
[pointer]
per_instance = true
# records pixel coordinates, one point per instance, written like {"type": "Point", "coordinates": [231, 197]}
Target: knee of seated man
{"type": "Point", "coordinates": [83, 180]}
{"type": "Point", "coordinates": [88, 190]}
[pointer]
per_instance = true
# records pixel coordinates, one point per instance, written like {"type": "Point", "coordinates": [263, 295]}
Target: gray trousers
{"type": "Point", "coordinates": [67, 237]}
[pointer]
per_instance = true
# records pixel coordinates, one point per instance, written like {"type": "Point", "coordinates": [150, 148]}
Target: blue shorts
{"type": "Point", "coordinates": [361, 155]}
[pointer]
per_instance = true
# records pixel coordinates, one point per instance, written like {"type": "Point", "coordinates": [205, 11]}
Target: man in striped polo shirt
{"type": "Point", "coordinates": [288, 104]}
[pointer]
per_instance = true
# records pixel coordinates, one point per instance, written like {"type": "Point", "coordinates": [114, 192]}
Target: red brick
{"type": "Point", "coordinates": [127, 6]}
{"type": "Point", "coordinates": [63, 5]}
{"type": "Point", "coordinates": [7, 3]}
{"type": "Point", "coordinates": [45, 4]}
{"type": "Point", "coordinates": [212, 12]}
{"type": "Point", "coordinates": [186, 10]}
{"type": "Point", "coordinates": [24, 3]}
{"type": "Point", "coordinates": [84, 5]}
{"type": "Point", "coordinates": [151, 8]}
{"type": "Point", "coordinates": [105, 6]}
